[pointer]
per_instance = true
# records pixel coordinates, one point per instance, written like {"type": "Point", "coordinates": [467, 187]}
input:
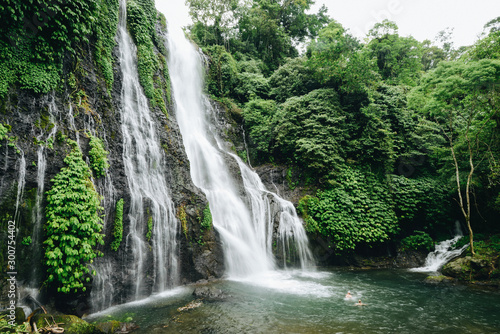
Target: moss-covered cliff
{"type": "Point", "coordinates": [71, 90]}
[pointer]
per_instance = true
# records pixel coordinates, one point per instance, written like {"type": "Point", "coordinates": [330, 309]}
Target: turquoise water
{"type": "Point", "coordinates": [295, 302]}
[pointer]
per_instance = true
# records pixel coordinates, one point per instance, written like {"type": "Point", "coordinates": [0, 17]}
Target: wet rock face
{"type": "Point", "coordinates": [209, 292]}
{"type": "Point", "coordinates": [32, 118]}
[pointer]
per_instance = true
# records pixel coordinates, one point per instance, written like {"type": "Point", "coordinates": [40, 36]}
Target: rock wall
{"type": "Point", "coordinates": [38, 127]}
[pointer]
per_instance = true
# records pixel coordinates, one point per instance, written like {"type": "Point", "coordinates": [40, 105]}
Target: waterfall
{"type": "Point", "coordinates": [243, 211]}
{"type": "Point", "coordinates": [21, 181]}
{"type": "Point", "coordinates": [443, 252]}
{"type": "Point", "coordinates": [149, 194]}
{"type": "Point", "coordinates": [37, 212]}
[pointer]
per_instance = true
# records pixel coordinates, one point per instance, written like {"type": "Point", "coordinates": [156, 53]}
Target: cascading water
{"type": "Point", "coordinates": [21, 181]}
{"type": "Point", "coordinates": [149, 194]}
{"type": "Point", "coordinates": [245, 220]}
{"type": "Point", "coordinates": [444, 252]}
{"type": "Point", "coordinates": [37, 214]}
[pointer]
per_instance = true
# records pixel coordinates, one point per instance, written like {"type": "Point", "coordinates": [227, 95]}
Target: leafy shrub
{"type": "Point", "coordinates": [206, 220]}
{"type": "Point", "coordinates": [259, 119]}
{"type": "Point", "coordinates": [293, 78]}
{"type": "Point", "coordinates": [105, 33]}
{"type": "Point", "coordinates": [118, 226]}
{"type": "Point", "coordinates": [98, 156]}
{"type": "Point", "coordinates": [311, 131]}
{"type": "Point", "coordinates": [149, 234]}
{"type": "Point", "coordinates": [355, 211]}
{"type": "Point", "coordinates": [418, 241]}
{"type": "Point", "coordinates": [222, 71]}
{"type": "Point", "coordinates": [141, 20]}
{"type": "Point", "coordinates": [73, 224]}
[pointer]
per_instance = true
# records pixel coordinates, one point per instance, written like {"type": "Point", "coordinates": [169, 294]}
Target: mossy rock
{"type": "Point", "coordinates": [438, 279]}
{"type": "Point", "coordinates": [20, 315]}
{"type": "Point", "coordinates": [111, 326]}
{"type": "Point", "coordinates": [71, 324]}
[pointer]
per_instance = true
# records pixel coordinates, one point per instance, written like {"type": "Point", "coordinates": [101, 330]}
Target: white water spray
{"type": "Point", "coordinates": [150, 196]}
{"type": "Point", "coordinates": [443, 253]}
{"type": "Point", "coordinates": [244, 216]}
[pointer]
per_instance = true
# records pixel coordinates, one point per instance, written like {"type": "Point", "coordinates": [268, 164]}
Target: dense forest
{"type": "Point", "coordinates": [391, 138]}
{"type": "Point", "coordinates": [382, 145]}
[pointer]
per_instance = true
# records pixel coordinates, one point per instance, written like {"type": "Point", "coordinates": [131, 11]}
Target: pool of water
{"type": "Point", "coordinates": [314, 302]}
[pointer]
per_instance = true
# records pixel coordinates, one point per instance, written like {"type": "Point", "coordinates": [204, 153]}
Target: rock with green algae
{"type": "Point", "coordinates": [71, 324]}
{"type": "Point", "coordinates": [111, 326]}
{"type": "Point", "coordinates": [469, 268]}
{"type": "Point", "coordinates": [438, 279]}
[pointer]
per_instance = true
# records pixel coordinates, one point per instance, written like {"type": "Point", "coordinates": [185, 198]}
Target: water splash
{"type": "Point", "coordinates": [243, 211]}
{"type": "Point", "coordinates": [149, 194]}
{"type": "Point", "coordinates": [444, 252]}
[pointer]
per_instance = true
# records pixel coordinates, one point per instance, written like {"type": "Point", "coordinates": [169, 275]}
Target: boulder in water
{"type": "Point", "coordinates": [438, 279]}
{"type": "Point", "coordinates": [209, 292]}
{"type": "Point", "coordinates": [469, 268]}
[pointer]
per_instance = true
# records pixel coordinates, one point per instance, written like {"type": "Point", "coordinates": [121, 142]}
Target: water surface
{"type": "Point", "coordinates": [397, 301]}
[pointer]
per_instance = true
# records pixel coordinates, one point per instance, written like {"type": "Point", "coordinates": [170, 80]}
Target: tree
{"type": "Point", "coordinates": [398, 58]}
{"type": "Point", "coordinates": [463, 99]}
{"type": "Point", "coordinates": [218, 14]}
{"type": "Point", "coordinates": [338, 60]}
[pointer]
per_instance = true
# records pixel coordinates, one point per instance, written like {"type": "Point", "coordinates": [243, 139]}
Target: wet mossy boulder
{"type": "Point", "coordinates": [469, 268]}
{"type": "Point", "coordinates": [71, 324]}
{"type": "Point", "coordinates": [111, 326]}
{"type": "Point", "coordinates": [440, 279]}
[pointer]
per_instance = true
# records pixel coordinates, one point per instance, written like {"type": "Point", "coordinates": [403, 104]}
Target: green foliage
{"type": "Point", "coordinates": [311, 131]}
{"type": "Point", "coordinates": [98, 156]}
{"type": "Point", "coordinates": [259, 119]}
{"type": "Point", "coordinates": [5, 327]}
{"type": "Point", "coordinates": [3, 132]}
{"type": "Point", "coordinates": [338, 60]}
{"type": "Point", "coordinates": [355, 211]}
{"type": "Point", "coordinates": [149, 234]}
{"type": "Point", "coordinates": [26, 241]}
{"type": "Point", "coordinates": [182, 216]}
{"type": "Point", "coordinates": [206, 220]}
{"type": "Point", "coordinates": [398, 58]}
{"type": "Point", "coordinates": [294, 78]}
{"type": "Point", "coordinates": [105, 33]}
{"type": "Point", "coordinates": [222, 72]}
{"type": "Point", "coordinates": [118, 226]}
{"type": "Point", "coordinates": [418, 241]}
{"type": "Point", "coordinates": [141, 18]}
{"type": "Point", "coordinates": [73, 224]}
{"type": "Point", "coordinates": [250, 86]}
{"type": "Point", "coordinates": [34, 38]}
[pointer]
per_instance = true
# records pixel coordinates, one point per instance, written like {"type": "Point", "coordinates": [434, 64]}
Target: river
{"type": "Point", "coordinates": [397, 301]}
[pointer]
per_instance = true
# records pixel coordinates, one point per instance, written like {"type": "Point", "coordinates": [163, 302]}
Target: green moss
{"type": "Point", "coordinates": [181, 215]}
{"type": "Point", "coordinates": [118, 226]}
{"type": "Point", "coordinates": [98, 156]}
{"type": "Point", "coordinates": [71, 323]}
{"type": "Point", "coordinates": [105, 33]}
{"type": "Point", "coordinates": [150, 228]}
{"type": "Point", "coordinates": [206, 220]}
{"type": "Point", "coordinates": [141, 17]}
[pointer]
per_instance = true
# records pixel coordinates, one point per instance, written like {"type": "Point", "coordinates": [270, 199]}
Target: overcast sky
{"type": "Point", "coordinates": [422, 19]}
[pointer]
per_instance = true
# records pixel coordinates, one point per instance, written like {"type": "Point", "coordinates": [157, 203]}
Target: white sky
{"type": "Point", "coordinates": [422, 19]}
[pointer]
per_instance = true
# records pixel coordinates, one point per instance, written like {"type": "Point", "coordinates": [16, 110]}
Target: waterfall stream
{"type": "Point", "coordinates": [444, 252]}
{"type": "Point", "coordinates": [243, 211]}
{"type": "Point", "coordinates": [150, 201]}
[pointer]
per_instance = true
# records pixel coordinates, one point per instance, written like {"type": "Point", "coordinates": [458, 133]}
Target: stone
{"type": "Point", "coordinates": [209, 292]}
{"type": "Point", "coordinates": [438, 279]}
